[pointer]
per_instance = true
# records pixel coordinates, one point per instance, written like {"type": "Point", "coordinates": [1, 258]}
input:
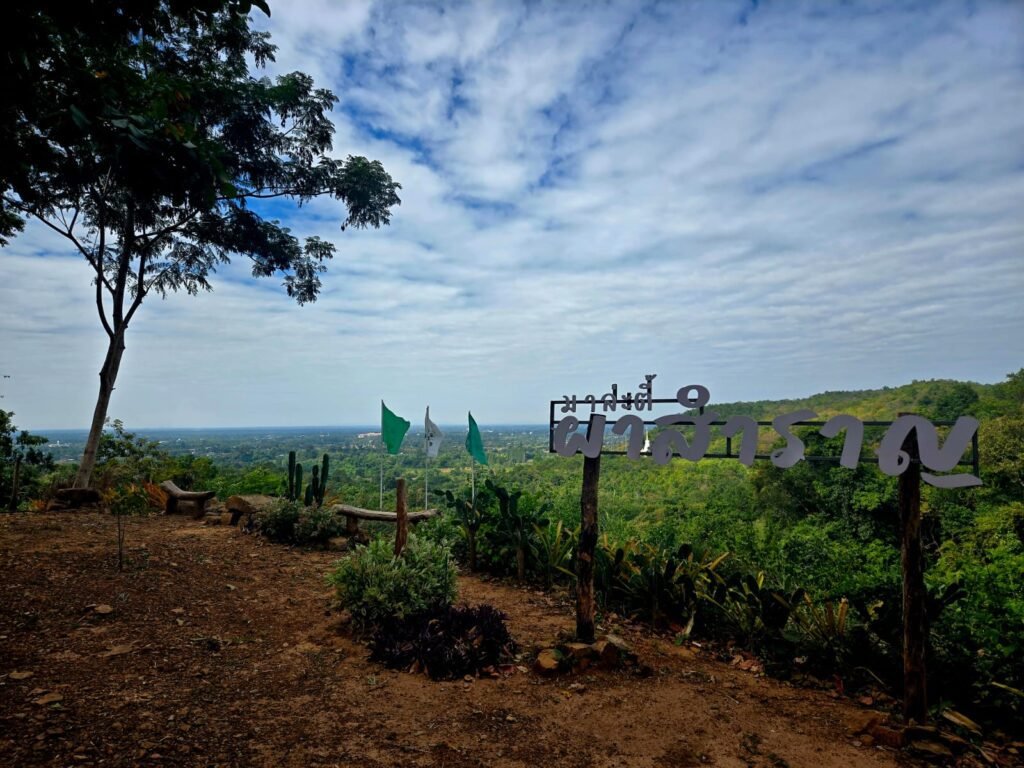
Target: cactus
{"type": "Point", "coordinates": [314, 486]}
{"type": "Point", "coordinates": [298, 481]}
{"type": "Point", "coordinates": [291, 476]}
{"type": "Point", "coordinates": [322, 488]}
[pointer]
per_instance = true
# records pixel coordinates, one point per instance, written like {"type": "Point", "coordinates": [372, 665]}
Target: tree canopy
{"type": "Point", "coordinates": [136, 131]}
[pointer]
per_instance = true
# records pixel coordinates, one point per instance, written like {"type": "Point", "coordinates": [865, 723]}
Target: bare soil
{"type": "Point", "coordinates": [223, 649]}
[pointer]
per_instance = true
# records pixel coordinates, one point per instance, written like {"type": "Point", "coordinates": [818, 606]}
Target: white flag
{"type": "Point", "coordinates": [434, 436]}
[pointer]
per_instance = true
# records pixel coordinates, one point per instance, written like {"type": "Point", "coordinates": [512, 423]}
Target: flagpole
{"type": "Point", "coordinates": [381, 507]}
{"type": "Point", "coordinates": [426, 474]}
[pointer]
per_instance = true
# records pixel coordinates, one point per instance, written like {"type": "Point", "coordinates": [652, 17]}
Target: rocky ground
{"type": "Point", "coordinates": [217, 648]}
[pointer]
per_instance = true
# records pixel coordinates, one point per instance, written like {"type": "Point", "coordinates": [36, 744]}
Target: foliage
{"type": "Point", "coordinates": [554, 548]}
{"type": "Point", "coordinates": [513, 533]}
{"type": "Point", "coordinates": [316, 525]}
{"type": "Point", "coordinates": [123, 455]}
{"type": "Point", "coordinates": [23, 463]}
{"type": "Point", "coordinates": [756, 613]}
{"type": "Point", "coordinates": [137, 133]}
{"type": "Point", "coordinates": [470, 514]}
{"type": "Point", "coordinates": [446, 643]}
{"type": "Point", "coordinates": [124, 500]}
{"type": "Point", "coordinates": [374, 585]}
{"type": "Point", "coordinates": [278, 520]}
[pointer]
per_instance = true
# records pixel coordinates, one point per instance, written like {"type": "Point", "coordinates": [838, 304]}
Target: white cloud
{"type": "Point", "coordinates": [773, 202]}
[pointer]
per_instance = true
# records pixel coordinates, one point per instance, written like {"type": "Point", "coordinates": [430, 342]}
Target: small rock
{"type": "Point", "coordinates": [20, 675]}
{"type": "Point", "coordinates": [549, 662]}
{"type": "Point", "coordinates": [49, 698]}
{"type": "Point", "coordinates": [337, 543]}
{"type": "Point", "coordinates": [103, 609]}
{"type": "Point", "coordinates": [578, 651]}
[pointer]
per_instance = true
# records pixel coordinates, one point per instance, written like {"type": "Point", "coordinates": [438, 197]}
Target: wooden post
{"type": "Point", "coordinates": [915, 620]}
{"type": "Point", "coordinates": [402, 518]}
{"type": "Point", "coordinates": [585, 552]}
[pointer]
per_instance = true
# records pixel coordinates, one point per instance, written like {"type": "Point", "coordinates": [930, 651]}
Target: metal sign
{"type": "Point", "coordinates": [694, 444]}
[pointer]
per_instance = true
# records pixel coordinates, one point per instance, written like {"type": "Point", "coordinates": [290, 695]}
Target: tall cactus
{"type": "Point", "coordinates": [322, 487]}
{"type": "Point", "coordinates": [291, 476]}
{"type": "Point", "coordinates": [298, 481]}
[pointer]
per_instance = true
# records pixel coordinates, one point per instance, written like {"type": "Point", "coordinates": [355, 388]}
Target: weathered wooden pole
{"type": "Point", "coordinates": [586, 549]}
{"type": "Point", "coordinates": [915, 619]}
{"type": "Point", "coordinates": [402, 518]}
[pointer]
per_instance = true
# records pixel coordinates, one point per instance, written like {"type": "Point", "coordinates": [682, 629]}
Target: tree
{"type": "Point", "coordinates": [136, 131]}
{"type": "Point", "coordinates": [21, 461]}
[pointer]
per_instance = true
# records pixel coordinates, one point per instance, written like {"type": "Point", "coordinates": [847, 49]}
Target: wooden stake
{"type": "Point", "coordinates": [586, 550]}
{"type": "Point", "coordinates": [402, 515]}
{"type": "Point", "coordinates": [915, 620]}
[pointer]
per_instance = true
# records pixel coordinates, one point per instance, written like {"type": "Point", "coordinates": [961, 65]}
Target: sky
{"type": "Point", "coordinates": [769, 199]}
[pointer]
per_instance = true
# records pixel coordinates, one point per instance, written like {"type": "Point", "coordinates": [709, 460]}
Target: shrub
{"type": "Point", "coordinates": [445, 643]}
{"type": "Point", "coordinates": [315, 525]}
{"type": "Point", "coordinates": [278, 520]}
{"type": "Point", "coordinates": [376, 586]}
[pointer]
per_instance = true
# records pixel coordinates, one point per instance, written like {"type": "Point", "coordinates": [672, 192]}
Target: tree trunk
{"type": "Point", "coordinates": [12, 505]}
{"type": "Point", "coordinates": [472, 550]}
{"type": "Point", "coordinates": [587, 547]}
{"type": "Point", "coordinates": [108, 375]}
{"type": "Point", "coordinates": [520, 564]}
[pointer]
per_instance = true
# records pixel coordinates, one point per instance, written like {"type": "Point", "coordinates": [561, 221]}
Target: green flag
{"type": "Point", "coordinates": [392, 428]}
{"type": "Point", "coordinates": [474, 444]}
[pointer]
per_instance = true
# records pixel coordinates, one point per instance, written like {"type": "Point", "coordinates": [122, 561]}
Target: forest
{"type": "Point", "coordinates": [798, 568]}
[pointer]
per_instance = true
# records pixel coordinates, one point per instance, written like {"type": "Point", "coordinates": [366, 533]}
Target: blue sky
{"type": "Point", "coordinates": [771, 199]}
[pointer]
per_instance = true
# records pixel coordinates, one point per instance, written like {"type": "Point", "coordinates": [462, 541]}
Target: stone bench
{"type": "Point", "coordinates": [175, 494]}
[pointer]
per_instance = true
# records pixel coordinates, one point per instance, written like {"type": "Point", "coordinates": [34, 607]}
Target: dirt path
{"type": "Point", "coordinates": [223, 650]}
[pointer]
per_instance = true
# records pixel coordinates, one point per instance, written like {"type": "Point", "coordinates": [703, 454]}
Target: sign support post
{"type": "Point", "coordinates": [915, 619]}
{"type": "Point", "coordinates": [586, 550]}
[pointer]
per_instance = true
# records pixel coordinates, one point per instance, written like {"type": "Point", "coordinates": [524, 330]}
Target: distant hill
{"type": "Point", "coordinates": [935, 399]}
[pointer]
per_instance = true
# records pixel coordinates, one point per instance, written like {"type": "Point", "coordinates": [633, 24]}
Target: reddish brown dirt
{"type": "Point", "coordinates": [224, 650]}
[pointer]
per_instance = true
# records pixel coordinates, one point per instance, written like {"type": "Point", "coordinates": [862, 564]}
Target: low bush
{"type": "Point", "coordinates": [445, 643]}
{"type": "Point", "coordinates": [315, 525]}
{"type": "Point", "coordinates": [375, 586]}
{"type": "Point", "coordinates": [278, 520]}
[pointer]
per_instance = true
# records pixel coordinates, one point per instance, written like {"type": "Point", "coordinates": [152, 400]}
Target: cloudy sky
{"type": "Point", "coordinates": [770, 199]}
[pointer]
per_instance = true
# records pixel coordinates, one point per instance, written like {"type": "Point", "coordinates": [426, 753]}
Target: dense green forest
{"type": "Point", "coordinates": [800, 566]}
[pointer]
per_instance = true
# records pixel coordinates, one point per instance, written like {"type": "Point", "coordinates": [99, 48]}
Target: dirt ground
{"type": "Point", "coordinates": [223, 649]}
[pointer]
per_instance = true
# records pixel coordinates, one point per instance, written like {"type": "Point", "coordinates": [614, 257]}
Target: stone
{"type": "Point", "coordinates": [608, 653]}
{"type": "Point", "coordinates": [865, 722]}
{"type": "Point", "coordinates": [550, 661]}
{"type": "Point", "coordinates": [337, 543]}
{"type": "Point", "coordinates": [578, 651]}
{"type": "Point", "coordinates": [74, 498]}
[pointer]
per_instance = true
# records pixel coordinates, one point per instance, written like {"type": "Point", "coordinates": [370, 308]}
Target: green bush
{"type": "Point", "coordinates": [278, 521]}
{"type": "Point", "coordinates": [375, 586]}
{"type": "Point", "coordinates": [316, 525]}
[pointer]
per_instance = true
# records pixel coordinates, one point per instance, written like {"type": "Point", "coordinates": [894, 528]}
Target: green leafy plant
{"type": "Point", "coordinates": [554, 547]}
{"type": "Point", "coordinates": [513, 532]}
{"type": "Point", "coordinates": [374, 585]}
{"type": "Point", "coordinates": [757, 614]}
{"type": "Point", "coordinates": [316, 525]}
{"type": "Point", "coordinates": [278, 520]}
{"type": "Point", "coordinates": [470, 516]}
{"type": "Point", "coordinates": [124, 500]}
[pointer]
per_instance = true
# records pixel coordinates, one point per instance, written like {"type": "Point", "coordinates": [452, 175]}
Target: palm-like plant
{"type": "Point", "coordinates": [470, 516]}
{"type": "Point", "coordinates": [554, 548]}
{"type": "Point", "coordinates": [515, 527]}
